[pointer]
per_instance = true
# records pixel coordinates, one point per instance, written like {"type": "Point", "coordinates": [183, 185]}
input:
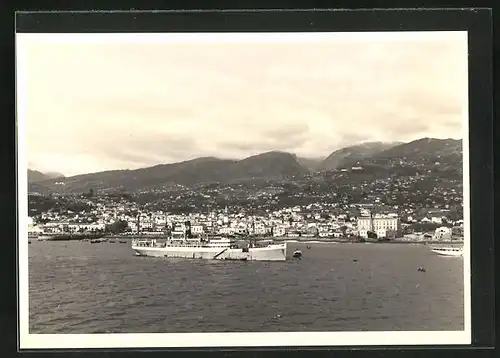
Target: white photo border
{"type": "Point", "coordinates": [28, 340]}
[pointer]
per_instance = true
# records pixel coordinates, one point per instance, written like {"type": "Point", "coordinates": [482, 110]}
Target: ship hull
{"type": "Point", "coordinates": [270, 253]}
{"type": "Point", "coordinates": [447, 252]}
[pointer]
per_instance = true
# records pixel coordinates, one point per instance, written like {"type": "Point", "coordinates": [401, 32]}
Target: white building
{"type": "Point", "coordinates": [160, 221]}
{"type": "Point", "coordinates": [85, 227]}
{"type": "Point", "coordinates": [382, 225]}
{"type": "Point", "coordinates": [279, 231]}
{"type": "Point", "coordinates": [260, 229]}
{"type": "Point", "coordinates": [225, 230]}
{"type": "Point", "coordinates": [146, 225]}
{"type": "Point", "coordinates": [179, 226]}
{"type": "Point", "coordinates": [55, 227]}
{"type": "Point", "coordinates": [443, 233]}
{"type": "Point", "coordinates": [132, 224]}
{"type": "Point", "coordinates": [197, 229]}
{"type": "Point", "coordinates": [437, 220]}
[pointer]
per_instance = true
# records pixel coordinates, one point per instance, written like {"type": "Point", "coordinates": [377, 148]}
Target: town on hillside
{"type": "Point", "coordinates": [118, 215]}
{"type": "Point", "coordinates": [410, 191]}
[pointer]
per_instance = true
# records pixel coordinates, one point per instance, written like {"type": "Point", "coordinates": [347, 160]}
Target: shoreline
{"type": "Point", "coordinates": [377, 242]}
{"type": "Point", "coordinates": [286, 239]}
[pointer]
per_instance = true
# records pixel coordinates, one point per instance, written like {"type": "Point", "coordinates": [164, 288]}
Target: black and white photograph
{"type": "Point", "coordinates": [243, 189]}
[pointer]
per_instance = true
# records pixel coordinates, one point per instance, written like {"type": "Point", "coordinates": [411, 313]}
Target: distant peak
{"type": "Point", "coordinates": [273, 153]}
{"type": "Point", "coordinates": [277, 152]}
{"type": "Point", "coordinates": [431, 140]}
{"type": "Point", "coordinates": [202, 159]}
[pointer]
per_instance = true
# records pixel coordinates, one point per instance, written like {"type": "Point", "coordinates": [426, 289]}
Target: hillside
{"type": "Point", "coordinates": [422, 151]}
{"type": "Point", "coordinates": [442, 157]}
{"type": "Point", "coordinates": [424, 147]}
{"type": "Point", "coordinates": [349, 156]}
{"type": "Point", "coordinates": [37, 176]}
{"type": "Point", "coordinates": [272, 165]}
{"type": "Point", "coordinates": [185, 173]}
{"type": "Point", "coordinates": [311, 164]}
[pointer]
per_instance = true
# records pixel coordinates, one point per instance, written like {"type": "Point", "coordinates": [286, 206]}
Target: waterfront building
{"type": "Point", "coordinates": [443, 233]}
{"type": "Point", "coordinates": [279, 231]}
{"type": "Point", "coordinates": [382, 225]}
{"type": "Point", "coordinates": [197, 229]}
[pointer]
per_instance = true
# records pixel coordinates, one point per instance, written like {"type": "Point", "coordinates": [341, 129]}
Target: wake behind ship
{"type": "Point", "coordinates": [216, 248]}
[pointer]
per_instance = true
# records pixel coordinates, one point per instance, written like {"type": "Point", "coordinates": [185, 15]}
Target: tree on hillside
{"type": "Point", "coordinates": [325, 216]}
{"type": "Point", "coordinates": [117, 227]}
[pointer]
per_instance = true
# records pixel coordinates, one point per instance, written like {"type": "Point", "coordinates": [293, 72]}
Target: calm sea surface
{"type": "Point", "coordinates": [77, 287]}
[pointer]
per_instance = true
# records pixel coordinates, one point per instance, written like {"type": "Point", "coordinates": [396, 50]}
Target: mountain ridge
{"type": "Point", "coordinates": [37, 176]}
{"type": "Point", "coordinates": [350, 155]}
{"type": "Point", "coordinates": [424, 146]}
{"type": "Point", "coordinates": [272, 165]}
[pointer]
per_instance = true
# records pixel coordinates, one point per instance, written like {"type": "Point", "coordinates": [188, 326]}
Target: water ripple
{"type": "Point", "coordinates": [83, 288]}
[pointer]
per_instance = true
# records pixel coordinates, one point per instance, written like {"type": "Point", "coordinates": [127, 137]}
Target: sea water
{"type": "Point", "coordinates": [78, 287]}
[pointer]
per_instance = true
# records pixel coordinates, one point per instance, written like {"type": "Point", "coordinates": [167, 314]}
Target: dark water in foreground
{"type": "Point", "coordinates": [103, 288]}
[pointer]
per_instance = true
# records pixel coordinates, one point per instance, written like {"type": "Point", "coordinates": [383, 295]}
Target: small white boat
{"type": "Point", "coordinates": [449, 251]}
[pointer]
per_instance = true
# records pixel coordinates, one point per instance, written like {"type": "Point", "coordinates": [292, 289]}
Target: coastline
{"type": "Point", "coordinates": [311, 240]}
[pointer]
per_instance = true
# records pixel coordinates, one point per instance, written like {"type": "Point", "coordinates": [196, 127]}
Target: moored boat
{"type": "Point", "coordinates": [178, 245]}
{"type": "Point", "coordinates": [448, 251]}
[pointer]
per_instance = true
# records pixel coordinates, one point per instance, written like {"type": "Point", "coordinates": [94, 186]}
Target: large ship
{"type": "Point", "coordinates": [179, 245]}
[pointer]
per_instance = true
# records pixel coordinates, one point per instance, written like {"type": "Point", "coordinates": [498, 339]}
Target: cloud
{"type": "Point", "coordinates": [98, 106]}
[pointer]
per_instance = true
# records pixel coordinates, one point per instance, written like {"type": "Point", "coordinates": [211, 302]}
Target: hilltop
{"type": "Point", "coordinates": [349, 156]}
{"type": "Point", "coordinates": [378, 160]}
{"type": "Point", "coordinates": [271, 166]}
{"type": "Point", "coordinates": [37, 176]}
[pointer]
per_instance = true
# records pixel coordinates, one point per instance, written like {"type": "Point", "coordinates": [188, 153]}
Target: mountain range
{"type": "Point", "coordinates": [353, 154]}
{"type": "Point", "coordinates": [269, 166]}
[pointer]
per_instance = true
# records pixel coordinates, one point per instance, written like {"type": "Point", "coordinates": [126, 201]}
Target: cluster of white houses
{"type": "Point", "coordinates": [285, 223]}
{"type": "Point", "coordinates": [383, 226]}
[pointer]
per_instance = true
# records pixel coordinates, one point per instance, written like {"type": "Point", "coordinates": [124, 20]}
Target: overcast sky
{"type": "Point", "coordinates": [105, 103]}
